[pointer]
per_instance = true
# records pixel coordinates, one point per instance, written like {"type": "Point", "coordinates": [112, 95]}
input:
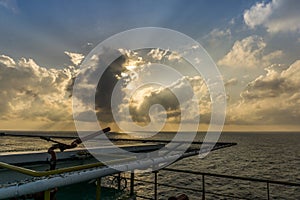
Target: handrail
{"type": "Point", "coordinates": [232, 177]}
{"type": "Point", "coordinates": [35, 173]}
{"type": "Point", "coordinates": [182, 188]}
{"type": "Point", "coordinates": [203, 190]}
{"type": "Point", "coordinates": [168, 141]}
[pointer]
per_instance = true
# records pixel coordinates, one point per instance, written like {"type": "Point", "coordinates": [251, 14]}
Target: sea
{"type": "Point", "coordinates": [262, 155]}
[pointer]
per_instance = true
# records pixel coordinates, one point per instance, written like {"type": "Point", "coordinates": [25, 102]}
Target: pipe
{"type": "Point", "coordinates": [34, 173]}
{"type": "Point", "coordinates": [79, 176]}
{"type": "Point", "coordinates": [53, 182]}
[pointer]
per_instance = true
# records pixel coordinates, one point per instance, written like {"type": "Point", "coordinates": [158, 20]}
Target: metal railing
{"type": "Point", "coordinates": [203, 189]}
{"type": "Point", "coordinates": [203, 174]}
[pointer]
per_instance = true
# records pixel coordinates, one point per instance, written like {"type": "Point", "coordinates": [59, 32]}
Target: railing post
{"type": "Point", "coordinates": [155, 185]}
{"type": "Point", "coordinates": [47, 195]}
{"type": "Point", "coordinates": [203, 187]}
{"type": "Point", "coordinates": [98, 189]}
{"type": "Point", "coordinates": [132, 183]}
{"type": "Point", "coordinates": [268, 189]}
{"type": "Point", "coordinates": [119, 181]}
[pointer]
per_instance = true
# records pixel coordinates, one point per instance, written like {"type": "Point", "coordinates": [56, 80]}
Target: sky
{"type": "Point", "coordinates": [255, 45]}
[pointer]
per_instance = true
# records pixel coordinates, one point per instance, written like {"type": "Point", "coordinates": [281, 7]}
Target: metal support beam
{"type": "Point", "coordinates": [98, 189]}
{"type": "Point", "coordinates": [203, 187]}
{"type": "Point", "coordinates": [132, 183]}
{"type": "Point", "coordinates": [119, 181]}
{"type": "Point", "coordinates": [268, 190]}
{"type": "Point", "coordinates": [155, 185]}
{"type": "Point", "coordinates": [47, 195]}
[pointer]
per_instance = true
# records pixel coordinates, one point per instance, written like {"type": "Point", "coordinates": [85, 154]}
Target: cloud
{"type": "Point", "coordinates": [132, 70]}
{"type": "Point", "coordinates": [217, 33]}
{"type": "Point", "coordinates": [217, 42]}
{"type": "Point", "coordinates": [132, 58]}
{"type": "Point", "coordinates": [275, 16]}
{"type": "Point", "coordinates": [124, 70]}
{"type": "Point", "coordinates": [165, 55]}
{"type": "Point", "coordinates": [106, 86]}
{"type": "Point", "coordinates": [31, 92]}
{"type": "Point", "coordinates": [112, 71]}
{"type": "Point", "coordinates": [249, 53]}
{"type": "Point", "coordinates": [174, 56]}
{"type": "Point", "coordinates": [157, 54]}
{"type": "Point", "coordinates": [7, 61]}
{"type": "Point", "coordinates": [231, 82]}
{"type": "Point", "coordinates": [76, 58]}
{"type": "Point", "coordinates": [10, 5]}
{"type": "Point", "coordinates": [270, 99]}
{"type": "Point", "coordinates": [175, 98]}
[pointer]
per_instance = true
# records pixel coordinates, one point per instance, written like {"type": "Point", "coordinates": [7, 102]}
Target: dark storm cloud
{"type": "Point", "coordinates": [175, 99]}
{"type": "Point", "coordinates": [164, 97]}
{"type": "Point", "coordinates": [105, 89]}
